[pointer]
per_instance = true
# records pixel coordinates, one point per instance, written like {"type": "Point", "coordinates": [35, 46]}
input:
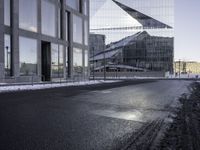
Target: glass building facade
{"type": "Point", "coordinates": [28, 15]}
{"type": "Point", "coordinates": [28, 65]}
{"type": "Point", "coordinates": [7, 54]}
{"type": "Point", "coordinates": [7, 12]}
{"type": "Point", "coordinates": [48, 18]}
{"type": "Point", "coordinates": [119, 19]}
{"type": "Point", "coordinates": [43, 39]}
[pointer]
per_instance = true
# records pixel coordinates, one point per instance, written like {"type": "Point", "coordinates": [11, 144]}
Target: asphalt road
{"type": "Point", "coordinates": [95, 117]}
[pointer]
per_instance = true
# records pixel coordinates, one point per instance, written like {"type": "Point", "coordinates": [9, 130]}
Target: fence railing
{"type": "Point", "coordinates": [40, 79]}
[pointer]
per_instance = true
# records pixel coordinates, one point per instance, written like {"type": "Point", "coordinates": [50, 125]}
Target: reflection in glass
{"type": "Point", "coordinates": [7, 55]}
{"type": "Point", "coordinates": [108, 18]}
{"type": "Point", "coordinates": [28, 15]}
{"type": "Point", "coordinates": [48, 18]}
{"type": "Point", "coordinates": [7, 12]}
{"type": "Point", "coordinates": [86, 32]}
{"type": "Point", "coordinates": [75, 4]}
{"type": "Point", "coordinates": [77, 29]}
{"type": "Point", "coordinates": [57, 60]}
{"type": "Point", "coordinates": [67, 26]}
{"type": "Point", "coordinates": [67, 61]}
{"type": "Point", "coordinates": [28, 56]}
{"type": "Point", "coordinates": [61, 61]}
{"type": "Point", "coordinates": [138, 33]}
{"type": "Point", "coordinates": [59, 23]}
{"type": "Point", "coordinates": [86, 62]}
{"type": "Point", "coordinates": [85, 6]}
{"type": "Point", "coordinates": [77, 61]}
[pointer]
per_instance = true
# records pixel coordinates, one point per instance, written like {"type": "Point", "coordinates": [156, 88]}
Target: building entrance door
{"type": "Point", "coordinates": [46, 61]}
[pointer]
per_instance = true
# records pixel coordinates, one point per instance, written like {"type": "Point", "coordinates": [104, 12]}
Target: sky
{"type": "Point", "coordinates": [187, 30]}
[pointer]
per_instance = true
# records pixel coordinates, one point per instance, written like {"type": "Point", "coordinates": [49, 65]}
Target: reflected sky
{"type": "Point", "coordinates": [107, 14]}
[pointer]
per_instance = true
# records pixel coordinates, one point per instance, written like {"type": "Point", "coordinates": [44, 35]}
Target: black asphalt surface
{"type": "Point", "coordinates": [67, 118]}
{"type": "Point", "coordinates": [49, 119]}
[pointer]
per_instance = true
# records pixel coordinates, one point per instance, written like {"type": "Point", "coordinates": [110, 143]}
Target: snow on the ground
{"type": "Point", "coordinates": [11, 88]}
{"type": "Point", "coordinates": [185, 76]}
{"type": "Point", "coordinates": [135, 77]}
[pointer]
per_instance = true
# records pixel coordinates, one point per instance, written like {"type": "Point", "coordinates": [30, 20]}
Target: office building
{"type": "Point", "coordinates": [119, 20]}
{"type": "Point", "coordinates": [96, 43]}
{"type": "Point", "coordinates": [140, 51]}
{"type": "Point", "coordinates": [43, 40]}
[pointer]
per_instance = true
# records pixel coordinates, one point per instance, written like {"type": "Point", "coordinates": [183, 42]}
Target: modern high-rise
{"type": "Point", "coordinates": [96, 43]}
{"type": "Point", "coordinates": [120, 19]}
{"type": "Point", "coordinates": [43, 40]}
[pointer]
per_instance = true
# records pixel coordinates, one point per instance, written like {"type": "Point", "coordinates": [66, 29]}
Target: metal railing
{"type": "Point", "coordinates": [40, 79]}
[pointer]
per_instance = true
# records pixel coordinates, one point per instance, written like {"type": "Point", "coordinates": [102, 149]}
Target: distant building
{"type": "Point", "coordinates": [186, 67]}
{"type": "Point", "coordinates": [43, 39]}
{"type": "Point", "coordinates": [96, 43]}
{"type": "Point", "coordinates": [141, 51]}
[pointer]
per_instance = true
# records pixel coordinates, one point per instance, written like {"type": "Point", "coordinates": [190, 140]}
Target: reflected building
{"type": "Point", "coordinates": [119, 20]}
{"type": "Point", "coordinates": [140, 51]}
{"type": "Point", "coordinates": [96, 43]}
{"type": "Point", "coordinates": [43, 39]}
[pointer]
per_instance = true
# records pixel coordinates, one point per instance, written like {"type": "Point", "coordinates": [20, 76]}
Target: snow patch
{"type": "Point", "coordinates": [12, 88]}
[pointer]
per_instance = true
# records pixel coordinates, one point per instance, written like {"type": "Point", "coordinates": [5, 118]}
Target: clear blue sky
{"type": "Point", "coordinates": [187, 29]}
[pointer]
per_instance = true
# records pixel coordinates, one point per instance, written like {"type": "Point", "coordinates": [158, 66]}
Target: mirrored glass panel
{"type": "Point", "coordinates": [86, 62]}
{"type": "Point", "coordinates": [57, 61]}
{"type": "Point", "coordinates": [28, 15]}
{"type": "Point", "coordinates": [48, 18]}
{"type": "Point", "coordinates": [67, 26]}
{"type": "Point", "coordinates": [77, 29]}
{"type": "Point", "coordinates": [28, 56]}
{"type": "Point", "coordinates": [59, 23]}
{"type": "Point", "coordinates": [7, 55]}
{"type": "Point", "coordinates": [75, 4]}
{"type": "Point", "coordinates": [85, 7]}
{"type": "Point", "coordinates": [7, 12]}
{"type": "Point", "coordinates": [86, 32]}
{"type": "Point", "coordinates": [67, 61]}
{"type": "Point", "coordinates": [61, 61]}
{"type": "Point", "coordinates": [138, 33]}
{"type": "Point", "coordinates": [54, 61]}
{"type": "Point", "coordinates": [77, 61]}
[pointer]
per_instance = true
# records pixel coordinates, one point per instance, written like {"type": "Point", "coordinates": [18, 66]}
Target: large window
{"type": "Point", "coordinates": [7, 12]}
{"type": "Point", "coordinates": [75, 4]}
{"type": "Point", "coordinates": [86, 32]}
{"type": "Point", "coordinates": [67, 61]}
{"type": "Point", "coordinates": [28, 56]}
{"type": "Point", "coordinates": [57, 60]}
{"type": "Point", "coordinates": [77, 61]}
{"type": "Point", "coordinates": [86, 62]}
{"type": "Point", "coordinates": [7, 55]}
{"type": "Point", "coordinates": [59, 24]}
{"type": "Point", "coordinates": [67, 26]}
{"type": "Point", "coordinates": [28, 15]}
{"type": "Point", "coordinates": [77, 29]}
{"type": "Point", "coordinates": [85, 7]}
{"type": "Point", "coordinates": [48, 18]}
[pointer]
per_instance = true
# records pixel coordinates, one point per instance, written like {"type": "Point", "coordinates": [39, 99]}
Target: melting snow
{"type": "Point", "coordinates": [11, 88]}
